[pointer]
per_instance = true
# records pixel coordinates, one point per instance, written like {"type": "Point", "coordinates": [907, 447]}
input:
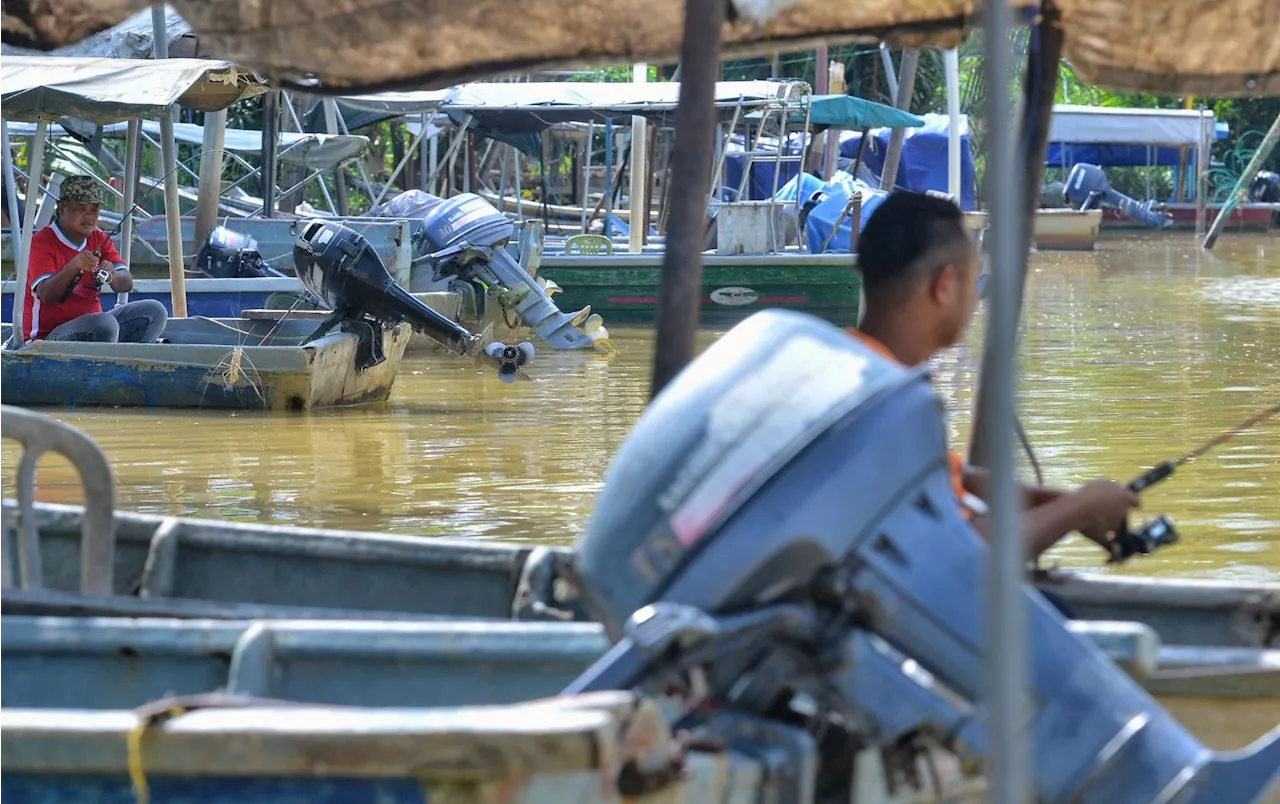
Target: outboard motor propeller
{"type": "Point", "coordinates": [231, 255]}
{"type": "Point", "coordinates": [778, 542]}
{"type": "Point", "coordinates": [1087, 188]}
{"type": "Point", "coordinates": [465, 236]}
{"type": "Point", "coordinates": [339, 267]}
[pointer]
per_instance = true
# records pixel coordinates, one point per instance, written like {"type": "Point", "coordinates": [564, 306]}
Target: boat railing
{"type": "Point", "coordinates": [39, 434]}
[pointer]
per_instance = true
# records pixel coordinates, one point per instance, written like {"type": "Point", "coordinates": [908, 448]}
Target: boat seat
{"type": "Point", "coordinates": [592, 244]}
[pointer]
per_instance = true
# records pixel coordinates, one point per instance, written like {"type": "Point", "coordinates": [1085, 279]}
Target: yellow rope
{"type": "Point", "coordinates": [137, 776]}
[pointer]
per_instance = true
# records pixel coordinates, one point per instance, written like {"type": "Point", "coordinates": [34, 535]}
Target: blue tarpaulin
{"type": "Point", "coordinates": [827, 216]}
{"type": "Point", "coordinates": [923, 165]}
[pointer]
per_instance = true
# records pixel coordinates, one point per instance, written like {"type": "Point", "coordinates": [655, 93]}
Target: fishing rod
{"type": "Point", "coordinates": [1160, 531]}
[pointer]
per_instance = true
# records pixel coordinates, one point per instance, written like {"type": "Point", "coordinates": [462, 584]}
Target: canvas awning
{"type": "Point", "coordinates": [850, 113]}
{"type": "Point", "coordinates": [1226, 48]}
{"type": "Point", "coordinates": [528, 108]}
{"type": "Point", "coordinates": [102, 90]}
{"type": "Point", "coordinates": [1122, 126]}
{"type": "Point", "coordinates": [318, 151]}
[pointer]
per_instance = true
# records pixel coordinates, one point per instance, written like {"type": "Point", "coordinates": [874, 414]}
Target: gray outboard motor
{"type": "Point", "coordinates": [466, 237]}
{"type": "Point", "coordinates": [1087, 188]}
{"type": "Point", "coordinates": [231, 255]}
{"type": "Point", "coordinates": [339, 266]}
{"type": "Point", "coordinates": [778, 538]}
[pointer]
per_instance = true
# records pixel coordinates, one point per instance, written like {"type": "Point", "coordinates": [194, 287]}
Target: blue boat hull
{"type": "Point", "coordinates": [57, 788]}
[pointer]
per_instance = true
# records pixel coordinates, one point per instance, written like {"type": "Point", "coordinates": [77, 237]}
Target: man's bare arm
{"type": "Point", "coordinates": [54, 289]}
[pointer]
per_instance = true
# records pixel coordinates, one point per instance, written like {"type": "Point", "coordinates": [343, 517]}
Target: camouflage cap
{"type": "Point", "coordinates": [80, 190]}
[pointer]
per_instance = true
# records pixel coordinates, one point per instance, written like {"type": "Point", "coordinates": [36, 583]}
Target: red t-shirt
{"type": "Point", "coordinates": [51, 250]}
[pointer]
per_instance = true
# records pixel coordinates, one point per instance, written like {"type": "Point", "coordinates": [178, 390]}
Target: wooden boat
{"type": "Point", "coordinates": [1249, 217]}
{"type": "Point", "coordinates": [232, 363]}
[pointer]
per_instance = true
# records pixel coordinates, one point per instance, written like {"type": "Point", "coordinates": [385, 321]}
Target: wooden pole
{"type": "Point", "coordinates": [1260, 157]}
{"type": "Point", "coordinates": [680, 295]}
{"type": "Point", "coordinates": [215, 128]}
{"type": "Point", "coordinates": [906, 87]}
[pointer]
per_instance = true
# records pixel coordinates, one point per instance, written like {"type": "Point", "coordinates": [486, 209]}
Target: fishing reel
{"type": "Point", "coordinates": [101, 278]}
{"type": "Point", "coordinates": [1155, 534]}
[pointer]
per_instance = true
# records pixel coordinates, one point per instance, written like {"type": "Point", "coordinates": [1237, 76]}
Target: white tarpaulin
{"type": "Point", "coordinates": [1100, 124]}
{"type": "Point", "coordinates": [397, 102]}
{"type": "Point", "coordinates": [319, 151]}
{"type": "Point", "coordinates": [102, 90]}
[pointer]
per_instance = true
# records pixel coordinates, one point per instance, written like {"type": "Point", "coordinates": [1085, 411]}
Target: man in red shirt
{"type": "Point", "coordinates": [919, 270]}
{"type": "Point", "coordinates": [71, 261]}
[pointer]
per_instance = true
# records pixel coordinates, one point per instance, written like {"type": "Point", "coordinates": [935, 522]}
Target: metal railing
{"type": "Point", "coordinates": [40, 434]}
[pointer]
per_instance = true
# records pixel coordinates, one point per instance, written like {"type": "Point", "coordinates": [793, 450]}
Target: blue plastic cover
{"type": "Point", "coordinates": [826, 216]}
{"type": "Point", "coordinates": [923, 165]}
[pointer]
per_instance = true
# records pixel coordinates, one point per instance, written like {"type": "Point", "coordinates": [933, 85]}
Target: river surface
{"type": "Point", "coordinates": [1131, 355]}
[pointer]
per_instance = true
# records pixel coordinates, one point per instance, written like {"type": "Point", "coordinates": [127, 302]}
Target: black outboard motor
{"type": "Point", "coordinates": [231, 255]}
{"type": "Point", "coordinates": [465, 236]}
{"type": "Point", "coordinates": [778, 546]}
{"type": "Point", "coordinates": [339, 266]}
{"type": "Point", "coordinates": [1265, 188]}
{"type": "Point", "coordinates": [1087, 188]}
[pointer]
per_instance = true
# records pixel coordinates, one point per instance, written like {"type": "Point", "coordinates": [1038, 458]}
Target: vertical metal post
{"type": "Point", "coordinates": [35, 168]}
{"type": "Point", "coordinates": [132, 166]}
{"type": "Point", "coordinates": [891, 76]}
{"type": "Point", "coordinates": [169, 154]}
{"type": "Point", "coordinates": [424, 156]}
{"type": "Point", "coordinates": [270, 137]}
{"type": "Point", "coordinates": [11, 195]}
{"type": "Point", "coordinates": [586, 174]}
{"type": "Point", "coordinates": [680, 294]}
{"type": "Point", "coordinates": [608, 175]}
{"type": "Point", "coordinates": [639, 170]}
{"type": "Point", "coordinates": [330, 106]}
{"type": "Point", "coordinates": [951, 65]}
{"type": "Point", "coordinates": [1203, 155]}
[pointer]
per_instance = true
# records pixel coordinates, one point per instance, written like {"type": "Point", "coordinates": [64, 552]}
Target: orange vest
{"type": "Point", "coordinates": [957, 464]}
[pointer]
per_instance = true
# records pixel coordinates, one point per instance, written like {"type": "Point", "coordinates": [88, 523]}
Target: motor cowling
{"type": "Point", "coordinates": [1265, 188]}
{"type": "Point", "coordinates": [464, 219]}
{"type": "Point", "coordinates": [231, 255]}
{"type": "Point", "coordinates": [792, 466]}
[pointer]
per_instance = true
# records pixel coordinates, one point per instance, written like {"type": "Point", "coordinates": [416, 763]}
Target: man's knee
{"type": "Point", "coordinates": [141, 321]}
{"type": "Point", "coordinates": [89, 328]}
{"type": "Point", "coordinates": [149, 309]}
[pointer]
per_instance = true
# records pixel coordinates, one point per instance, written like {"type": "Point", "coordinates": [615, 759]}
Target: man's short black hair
{"type": "Point", "coordinates": [900, 236]}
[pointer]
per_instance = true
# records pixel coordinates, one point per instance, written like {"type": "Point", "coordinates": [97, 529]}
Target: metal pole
{"type": "Point", "coordinates": [891, 77]}
{"type": "Point", "coordinates": [423, 154]}
{"type": "Point", "coordinates": [11, 194]}
{"type": "Point", "coordinates": [906, 88]}
{"type": "Point", "coordinates": [1202, 176]}
{"type": "Point", "coordinates": [680, 294]}
{"type": "Point", "coordinates": [586, 174]}
{"type": "Point", "coordinates": [639, 169]}
{"type": "Point", "coordinates": [133, 138]}
{"type": "Point", "coordinates": [35, 168]}
{"type": "Point", "coordinates": [1259, 157]}
{"type": "Point", "coordinates": [951, 64]}
{"type": "Point", "coordinates": [169, 153]}
{"type": "Point", "coordinates": [608, 176]}
{"type": "Point", "coordinates": [215, 129]}
{"type": "Point", "coordinates": [330, 106]}
{"type": "Point", "coordinates": [270, 137]}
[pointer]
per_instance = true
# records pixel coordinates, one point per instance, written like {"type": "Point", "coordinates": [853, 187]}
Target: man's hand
{"type": "Point", "coordinates": [1100, 508]}
{"type": "Point", "coordinates": [83, 263]}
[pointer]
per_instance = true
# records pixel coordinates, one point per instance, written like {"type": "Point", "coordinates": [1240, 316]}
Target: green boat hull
{"type": "Point", "coordinates": [623, 288]}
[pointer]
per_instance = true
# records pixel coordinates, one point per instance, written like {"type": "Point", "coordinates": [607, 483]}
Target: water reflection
{"type": "Point", "coordinates": [1131, 355]}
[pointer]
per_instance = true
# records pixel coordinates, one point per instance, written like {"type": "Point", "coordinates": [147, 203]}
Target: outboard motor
{"type": "Point", "coordinates": [1087, 188]}
{"type": "Point", "coordinates": [1265, 188]}
{"type": "Point", "coordinates": [777, 541]}
{"type": "Point", "coordinates": [339, 266]}
{"type": "Point", "coordinates": [231, 255]}
{"type": "Point", "coordinates": [465, 236]}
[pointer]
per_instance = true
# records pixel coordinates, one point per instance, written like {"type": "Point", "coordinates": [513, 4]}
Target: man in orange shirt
{"type": "Point", "coordinates": [72, 261]}
{"type": "Point", "coordinates": [919, 270]}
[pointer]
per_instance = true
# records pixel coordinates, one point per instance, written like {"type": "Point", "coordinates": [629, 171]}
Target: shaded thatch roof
{"type": "Point", "coordinates": [1226, 47]}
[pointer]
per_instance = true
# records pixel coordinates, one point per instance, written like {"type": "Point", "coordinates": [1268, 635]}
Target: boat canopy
{"type": "Point", "coordinates": [1123, 126]}
{"type": "Point", "coordinates": [317, 151]}
{"type": "Point", "coordinates": [528, 108]}
{"type": "Point", "coordinates": [103, 90]}
{"type": "Point", "coordinates": [851, 113]}
{"type": "Point", "coordinates": [1219, 49]}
